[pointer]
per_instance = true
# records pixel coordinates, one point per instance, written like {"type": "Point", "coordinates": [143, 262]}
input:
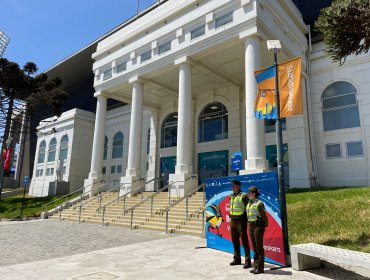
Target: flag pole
{"type": "Point", "coordinates": [280, 162]}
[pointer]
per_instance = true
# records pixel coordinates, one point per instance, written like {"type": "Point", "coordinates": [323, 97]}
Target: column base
{"type": "Point", "coordinates": [131, 183]}
{"type": "Point", "coordinates": [183, 169]}
{"type": "Point", "coordinates": [183, 184]}
{"type": "Point", "coordinates": [255, 165]}
{"type": "Point", "coordinates": [91, 186]}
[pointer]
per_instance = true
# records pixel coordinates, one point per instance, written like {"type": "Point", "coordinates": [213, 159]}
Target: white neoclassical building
{"type": "Point", "coordinates": [191, 64]}
{"type": "Point", "coordinates": [185, 70]}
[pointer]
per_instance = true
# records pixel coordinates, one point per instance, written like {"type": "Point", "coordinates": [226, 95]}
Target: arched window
{"type": "Point", "coordinates": [148, 142]}
{"type": "Point", "coordinates": [105, 148]}
{"type": "Point", "coordinates": [42, 149]}
{"type": "Point", "coordinates": [213, 123]}
{"type": "Point", "coordinates": [117, 150]}
{"type": "Point", "coordinates": [339, 106]}
{"type": "Point", "coordinates": [63, 148]}
{"type": "Point", "coordinates": [52, 150]}
{"type": "Point", "coordinates": [169, 131]}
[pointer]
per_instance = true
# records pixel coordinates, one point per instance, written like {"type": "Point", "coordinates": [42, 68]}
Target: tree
{"type": "Point", "coordinates": [23, 91]}
{"type": "Point", "coordinates": [345, 27]}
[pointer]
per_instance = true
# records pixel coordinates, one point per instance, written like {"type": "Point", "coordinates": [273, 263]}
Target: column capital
{"type": "Point", "coordinates": [101, 94]}
{"type": "Point", "coordinates": [136, 79]}
{"type": "Point", "coordinates": [184, 60]}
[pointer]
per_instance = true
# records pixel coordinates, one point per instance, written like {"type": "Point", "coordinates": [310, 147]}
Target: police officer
{"type": "Point", "coordinates": [258, 222]}
{"type": "Point", "coordinates": [238, 203]}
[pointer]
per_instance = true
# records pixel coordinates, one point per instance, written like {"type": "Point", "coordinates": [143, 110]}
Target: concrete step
{"type": "Point", "coordinates": [187, 232]}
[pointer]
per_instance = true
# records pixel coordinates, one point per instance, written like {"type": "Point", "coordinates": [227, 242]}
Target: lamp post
{"type": "Point", "coordinates": [275, 45]}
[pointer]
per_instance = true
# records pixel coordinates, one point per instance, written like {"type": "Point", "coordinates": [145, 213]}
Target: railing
{"type": "Point", "coordinates": [98, 197]}
{"type": "Point", "coordinates": [186, 197]}
{"type": "Point", "coordinates": [124, 196]}
{"type": "Point", "coordinates": [67, 202]}
{"type": "Point", "coordinates": [168, 187]}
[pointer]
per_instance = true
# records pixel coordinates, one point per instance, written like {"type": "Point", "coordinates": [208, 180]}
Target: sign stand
{"type": "Point", "coordinates": [26, 178]}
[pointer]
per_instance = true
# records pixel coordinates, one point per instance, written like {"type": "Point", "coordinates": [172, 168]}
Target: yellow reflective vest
{"type": "Point", "coordinates": [252, 210]}
{"type": "Point", "coordinates": [237, 206]}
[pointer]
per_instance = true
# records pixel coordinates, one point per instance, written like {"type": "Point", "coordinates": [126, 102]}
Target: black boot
{"type": "Point", "coordinates": [236, 262]}
{"type": "Point", "coordinates": [247, 265]}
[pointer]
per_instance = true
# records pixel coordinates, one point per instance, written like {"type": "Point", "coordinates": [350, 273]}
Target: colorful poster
{"type": "Point", "coordinates": [290, 87]}
{"type": "Point", "coordinates": [218, 234]}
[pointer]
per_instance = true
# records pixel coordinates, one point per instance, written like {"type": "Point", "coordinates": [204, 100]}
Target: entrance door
{"type": "Point", "coordinates": [213, 165]}
{"type": "Point", "coordinates": [167, 167]}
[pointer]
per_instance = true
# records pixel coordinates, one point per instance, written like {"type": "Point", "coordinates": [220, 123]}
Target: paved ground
{"type": "Point", "coordinates": [130, 255]}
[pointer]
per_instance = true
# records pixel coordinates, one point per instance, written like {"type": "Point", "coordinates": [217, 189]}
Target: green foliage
{"type": "Point", "coordinates": [334, 217]}
{"type": "Point", "coordinates": [24, 85]}
{"type": "Point", "coordinates": [345, 26]}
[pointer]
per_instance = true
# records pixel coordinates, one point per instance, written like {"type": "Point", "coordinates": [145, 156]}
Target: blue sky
{"type": "Point", "coordinates": [47, 31]}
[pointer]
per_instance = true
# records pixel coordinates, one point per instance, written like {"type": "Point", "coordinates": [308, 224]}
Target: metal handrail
{"type": "Point", "coordinates": [65, 196]}
{"type": "Point", "coordinates": [152, 198]}
{"type": "Point", "coordinates": [119, 198]}
{"type": "Point", "coordinates": [99, 196]}
{"type": "Point", "coordinates": [167, 210]}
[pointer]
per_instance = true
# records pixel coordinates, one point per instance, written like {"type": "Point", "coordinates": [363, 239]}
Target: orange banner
{"type": "Point", "coordinates": [290, 86]}
{"type": "Point", "coordinates": [290, 90]}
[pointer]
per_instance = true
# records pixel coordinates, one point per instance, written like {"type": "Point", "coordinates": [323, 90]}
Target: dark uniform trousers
{"type": "Point", "coordinates": [238, 229]}
{"type": "Point", "coordinates": [256, 233]}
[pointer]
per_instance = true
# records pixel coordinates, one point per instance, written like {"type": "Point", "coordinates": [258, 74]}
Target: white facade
{"type": "Point", "coordinates": [78, 126]}
{"type": "Point", "coordinates": [175, 63]}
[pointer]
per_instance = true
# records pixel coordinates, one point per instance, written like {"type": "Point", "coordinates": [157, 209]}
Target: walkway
{"type": "Point", "coordinates": [127, 255]}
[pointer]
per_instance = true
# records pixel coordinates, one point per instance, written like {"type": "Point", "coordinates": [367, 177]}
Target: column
{"type": "Point", "coordinates": [184, 180]}
{"type": "Point", "coordinates": [136, 130]}
{"type": "Point", "coordinates": [133, 181]}
{"type": "Point", "coordinates": [154, 146]}
{"type": "Point", "coordinates": [98, 142]}
{"type": "Point", "coordinates": [184, 126]}
{"type": "Point", "coordinates": [255, 132]}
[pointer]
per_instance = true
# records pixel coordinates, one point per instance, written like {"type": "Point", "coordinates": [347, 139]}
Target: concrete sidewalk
{"type": "Point", "coordinates": [174, 258]}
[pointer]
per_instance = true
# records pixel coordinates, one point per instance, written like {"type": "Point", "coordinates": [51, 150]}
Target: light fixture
{"type": "Point", "coordinates": [214, 107]}
{"type": "Point", "coordinates": [273, 44]}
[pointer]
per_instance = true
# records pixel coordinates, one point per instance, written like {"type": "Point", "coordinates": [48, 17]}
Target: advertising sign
{"type": "Point", "coordinates": [218, 233]}
{"type": "Point", "coordinates": [236, 161]}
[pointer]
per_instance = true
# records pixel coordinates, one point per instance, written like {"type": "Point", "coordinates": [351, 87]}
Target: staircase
{"type": "Point", "coordinates": [142, 211]}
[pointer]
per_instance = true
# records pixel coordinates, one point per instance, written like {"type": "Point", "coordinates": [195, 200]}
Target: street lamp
{"type": "Point", "coordinates": [276, 45]}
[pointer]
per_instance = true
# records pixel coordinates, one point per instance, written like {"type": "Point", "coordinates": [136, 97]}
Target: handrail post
{"type": "Point", "coordinates": [102, 219]}
{"type": "Point", "coordinates": [187, 207]}
{"type": "Point", "coordinates": [132, 217]}
{"type": "Point", "coordinates": [167, 221]}
{"type": "Point", "coordinates": [151, 206]}
{"type": "Point", "coordinates": [203, 225]}
{"type": "Point", "coordinates": [60, 212]}
{"type": "Point", "coordinates": [124, 203]}
{"type": "Point", "coordinates": [79, 214]}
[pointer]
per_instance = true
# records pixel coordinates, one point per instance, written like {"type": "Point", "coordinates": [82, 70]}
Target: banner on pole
{"type": "Point", "coordinates": [217, 229]}
{"type": "Point", "coordinates": [290, 88]}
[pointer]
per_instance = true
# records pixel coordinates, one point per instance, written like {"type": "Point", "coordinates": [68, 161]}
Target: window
{"type": "Point", "coordinates": [50, 172]}
{"type": "Point", "coordinates": [164, 47]}
{"type": "Point", "coordinates": [63, 153]}
{"type": "Point", "coordinates": [148, 142]}
{"type": "Point", "coordinates": [39, 172]}
{"type": "Point", "coordinates": [224, 19]}
{"type": "Point", "coordinates": [104, 170]}
{"type": "Point", "coordinates": [121, 67]}
{"type": "Point", "coordinates": [107, 74]}
{"type": "Point", "coordinates": [213, 123]}
{"type": "Point", "coordinates": [339, 106]}
{"type": "Point", "coordinates": [270, 125]}
{"type": "Point", "coordinates": [119, 169]}
{"type": "Point", "coordinates": [355, 149]}
{"type": "Point", "coordinates": [64, 169]}
{"type": "Point", "coordinates": [333, 151]}
{"type": "Point", "coordinates": [42, 149]}
{"type": "Point", "coordinates": [105, 148]}
{"type": "Point", "coordinates": [146, 56]}
{"type": "Point", "coordinates": [169, 131]}
{"type": "Point", "coordinates": [197, 32]}
{"type": "Point", "coordinates": [113, 169]}
{"type": "Point", "coordinates": [52, 150]}
{"type": "Point", "coordinates": [117, 150]}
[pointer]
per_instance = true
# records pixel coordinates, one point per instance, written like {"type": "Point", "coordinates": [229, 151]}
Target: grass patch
{"type": "Point", "coordinates": [10, 208]}
{"type": "Point", "coordinates": [338, 217]}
